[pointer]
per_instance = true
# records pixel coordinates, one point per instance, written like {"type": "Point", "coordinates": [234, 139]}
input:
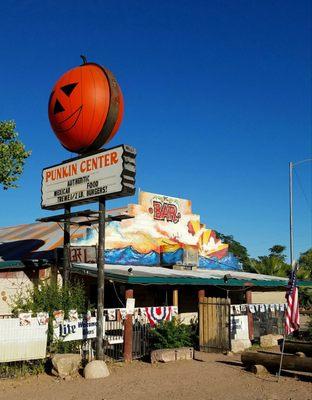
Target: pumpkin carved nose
{"type": "Point", "coordinates": [58, 107]}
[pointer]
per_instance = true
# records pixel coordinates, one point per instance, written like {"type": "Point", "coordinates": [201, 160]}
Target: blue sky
{"type": "Point", "coordinates": [217, 102]}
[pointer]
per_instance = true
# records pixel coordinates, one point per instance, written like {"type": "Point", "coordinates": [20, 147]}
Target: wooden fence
{"type": "Point", "coordinates": [214, 324]}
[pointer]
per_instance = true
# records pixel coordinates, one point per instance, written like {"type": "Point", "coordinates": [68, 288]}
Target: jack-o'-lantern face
{"type": "Point", "coordinates": [85, 108]}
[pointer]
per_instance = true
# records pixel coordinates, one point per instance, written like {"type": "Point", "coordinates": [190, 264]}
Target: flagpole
{"type": "Point", "coordinates": [282, 356]}
{"type": "Point", "coordinates": [291, 223]}
{"type": "Point", "coordinates": [291, 237]}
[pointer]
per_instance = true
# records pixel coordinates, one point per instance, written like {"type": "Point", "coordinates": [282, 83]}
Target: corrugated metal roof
{"type": "Point", "coordinates": [159, 275]}
{"type": "Point", "coordinates": [32, 241]}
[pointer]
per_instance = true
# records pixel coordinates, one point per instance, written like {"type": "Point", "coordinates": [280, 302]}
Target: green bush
{"type": "Point", "coordinates": [49, 297]}
{"type": "Point", "coordinates": [19, 369]}
{"type": "Point", "coordinates": [170, 334]}
{"type": "Point", "coordinates": [61, 347]}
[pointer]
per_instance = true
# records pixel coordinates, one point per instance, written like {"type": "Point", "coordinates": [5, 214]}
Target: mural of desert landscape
{"type": "Point", "coordinates": [164, 231]}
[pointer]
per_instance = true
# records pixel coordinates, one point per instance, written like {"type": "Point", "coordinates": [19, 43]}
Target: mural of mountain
{"type": "Point", "coordinates": [229, 262]}
{"type": "Point", "coordinates": [162, 231]}
{"type": "Point", "coordinates": [129, 256]}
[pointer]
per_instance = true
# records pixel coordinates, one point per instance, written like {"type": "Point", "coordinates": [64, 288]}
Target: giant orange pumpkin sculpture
{"type": "Point", "coordinates": [86, 107]}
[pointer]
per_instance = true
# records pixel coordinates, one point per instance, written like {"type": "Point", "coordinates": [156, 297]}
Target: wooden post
{"type": "Point", "coordinates": [66, 245]}
{"type": "Point", "coordinates": [128, 332]}
{"type": "Point", "coordinates": [249, 314]}
{"type": "Point", "coordinates": [175, 297]}
{"type": "Point", "coordinates": [201, 294]}
{"type": "Point", "coordinates": [100, 282]}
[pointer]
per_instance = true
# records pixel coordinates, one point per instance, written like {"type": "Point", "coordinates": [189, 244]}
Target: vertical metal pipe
{"type": "Point", "coordinates": [100, 282]}
{"type": "Point", "coordinates": [66, 245]}
{"type": "Point", "coordinates": [291, 227]}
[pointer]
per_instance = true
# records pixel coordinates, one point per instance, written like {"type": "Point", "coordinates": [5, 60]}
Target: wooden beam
{"type": "Point", "coordinates": [249, 315]}
{"type": "Point", "coordinates": [201, 294]}
{"type": "Point", "coordinates": [272, 361]}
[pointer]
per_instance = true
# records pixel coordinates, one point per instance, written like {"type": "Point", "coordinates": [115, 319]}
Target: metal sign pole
{"type": "Point", "coordinates": [66, 244]}
{"type": "Point", "coordinates": [100, 291]}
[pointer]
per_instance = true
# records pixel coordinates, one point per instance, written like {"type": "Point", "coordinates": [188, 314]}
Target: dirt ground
{"type": "Point", "coordinates": [220, 377]}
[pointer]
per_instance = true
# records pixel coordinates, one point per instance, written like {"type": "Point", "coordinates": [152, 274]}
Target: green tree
{"type": "Point", "coordinates": [305, 265]}
{"type": "Point", "coordinates": [272, 264]}
{"type": "Point", "coordinates": [12, 155]}
{"type": "Point", "coordinates": [278, 251]}
{"type": "Point", "coordinates": [305, 272]}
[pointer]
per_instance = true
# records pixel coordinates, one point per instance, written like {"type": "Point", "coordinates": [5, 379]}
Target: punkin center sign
{"type": "Point", "coordinates": [109, 173]}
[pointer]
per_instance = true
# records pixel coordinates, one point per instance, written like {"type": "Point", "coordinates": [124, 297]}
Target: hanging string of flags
{"type": "Point", "coordinates": [253, 308]}
{"type": "Point", "coordinates": [143, 315]}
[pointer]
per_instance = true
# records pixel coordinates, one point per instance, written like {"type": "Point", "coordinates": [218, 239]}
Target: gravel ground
{"type": "Point", "coordinates": [219, 377]}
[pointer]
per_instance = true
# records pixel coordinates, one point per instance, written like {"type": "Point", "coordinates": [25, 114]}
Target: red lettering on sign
{"type": "Point", "coordinates": [165, 212]}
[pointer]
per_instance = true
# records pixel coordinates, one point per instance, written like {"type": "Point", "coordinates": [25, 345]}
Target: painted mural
{"type": "Point", "coordinates": [163, 231]}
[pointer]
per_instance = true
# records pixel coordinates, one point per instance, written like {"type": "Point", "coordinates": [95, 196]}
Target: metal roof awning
{"type": "Point", "coordinates": [20, 264]}
{"type": "Point", "coordinates": [12, 264]}
{"type": "Point", "coordinates": [163, 276]}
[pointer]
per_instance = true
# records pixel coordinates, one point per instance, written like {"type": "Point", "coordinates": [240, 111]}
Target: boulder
{"type": "Point", "coordinates": [270, 340]}
{"type": "Point", "coordinates": [65, 365]}
{"type": "Point", "coordinates": [259, 370]}
{"type": "Point", "coordinates": [96, 369]}
{"type": "Point", "coordinates": [240, 345]}
{"type": "Point", "coordinates": [167, 355]}
{"type": "Point", "coordinates": [163, 355]}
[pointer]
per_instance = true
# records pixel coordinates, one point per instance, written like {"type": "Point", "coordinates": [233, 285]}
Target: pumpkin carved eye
{"type": "Point", "coordinates": [58, 107]}
{"type": "Point", "coordinates": [67, 89]}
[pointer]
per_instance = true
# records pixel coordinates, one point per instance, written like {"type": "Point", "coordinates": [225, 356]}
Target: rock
{"type": "Point", "coordinates": [66, 365]}
{"type": "Point", "coordinates": [96, 369]}
{"type": "Point", "coordinates": [300, 354]}
{"type": "Point", "coordinates": [239, 345]}
{"type": "Point", "coordinates": [167, 355]}
{"type": "Point", "coordinates": [270, 340]}
{"type": "Point", "coordinates": [259, 370]}
{"type": "Point", "coordinates": [184, 353]}
{"type": "Point", "coordinates": [163, 355]}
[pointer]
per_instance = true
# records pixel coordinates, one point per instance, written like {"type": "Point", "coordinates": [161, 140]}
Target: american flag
{"type": "Point", "coordinates": [292, 311]}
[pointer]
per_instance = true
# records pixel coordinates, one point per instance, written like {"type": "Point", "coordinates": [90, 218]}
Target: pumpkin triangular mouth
{"type": "Point", "coordinates": [69, 122]}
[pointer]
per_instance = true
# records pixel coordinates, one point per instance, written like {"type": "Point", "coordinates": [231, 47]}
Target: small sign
{"type": "Point", "coordinates": [239, 327]}
{"type": "Point", "coordinates": [130, 306]}
{"type": "Point", "coordinates": [24, 319]}
{"type": "Point", "coordinates": [81, 329]}
{"type": "Point", "coordinates": [83, 254]}
{"type": "Point", "coordinates": [108, 173]}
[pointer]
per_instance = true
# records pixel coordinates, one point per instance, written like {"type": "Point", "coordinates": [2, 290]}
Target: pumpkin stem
{"type": "Point", "coordinates": [84, 59]}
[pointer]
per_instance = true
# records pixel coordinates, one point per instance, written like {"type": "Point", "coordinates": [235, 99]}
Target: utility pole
{"type": "Point", "coordinates": [66, 245]}
{"type": "Point", "coordinates": [100, 281]}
